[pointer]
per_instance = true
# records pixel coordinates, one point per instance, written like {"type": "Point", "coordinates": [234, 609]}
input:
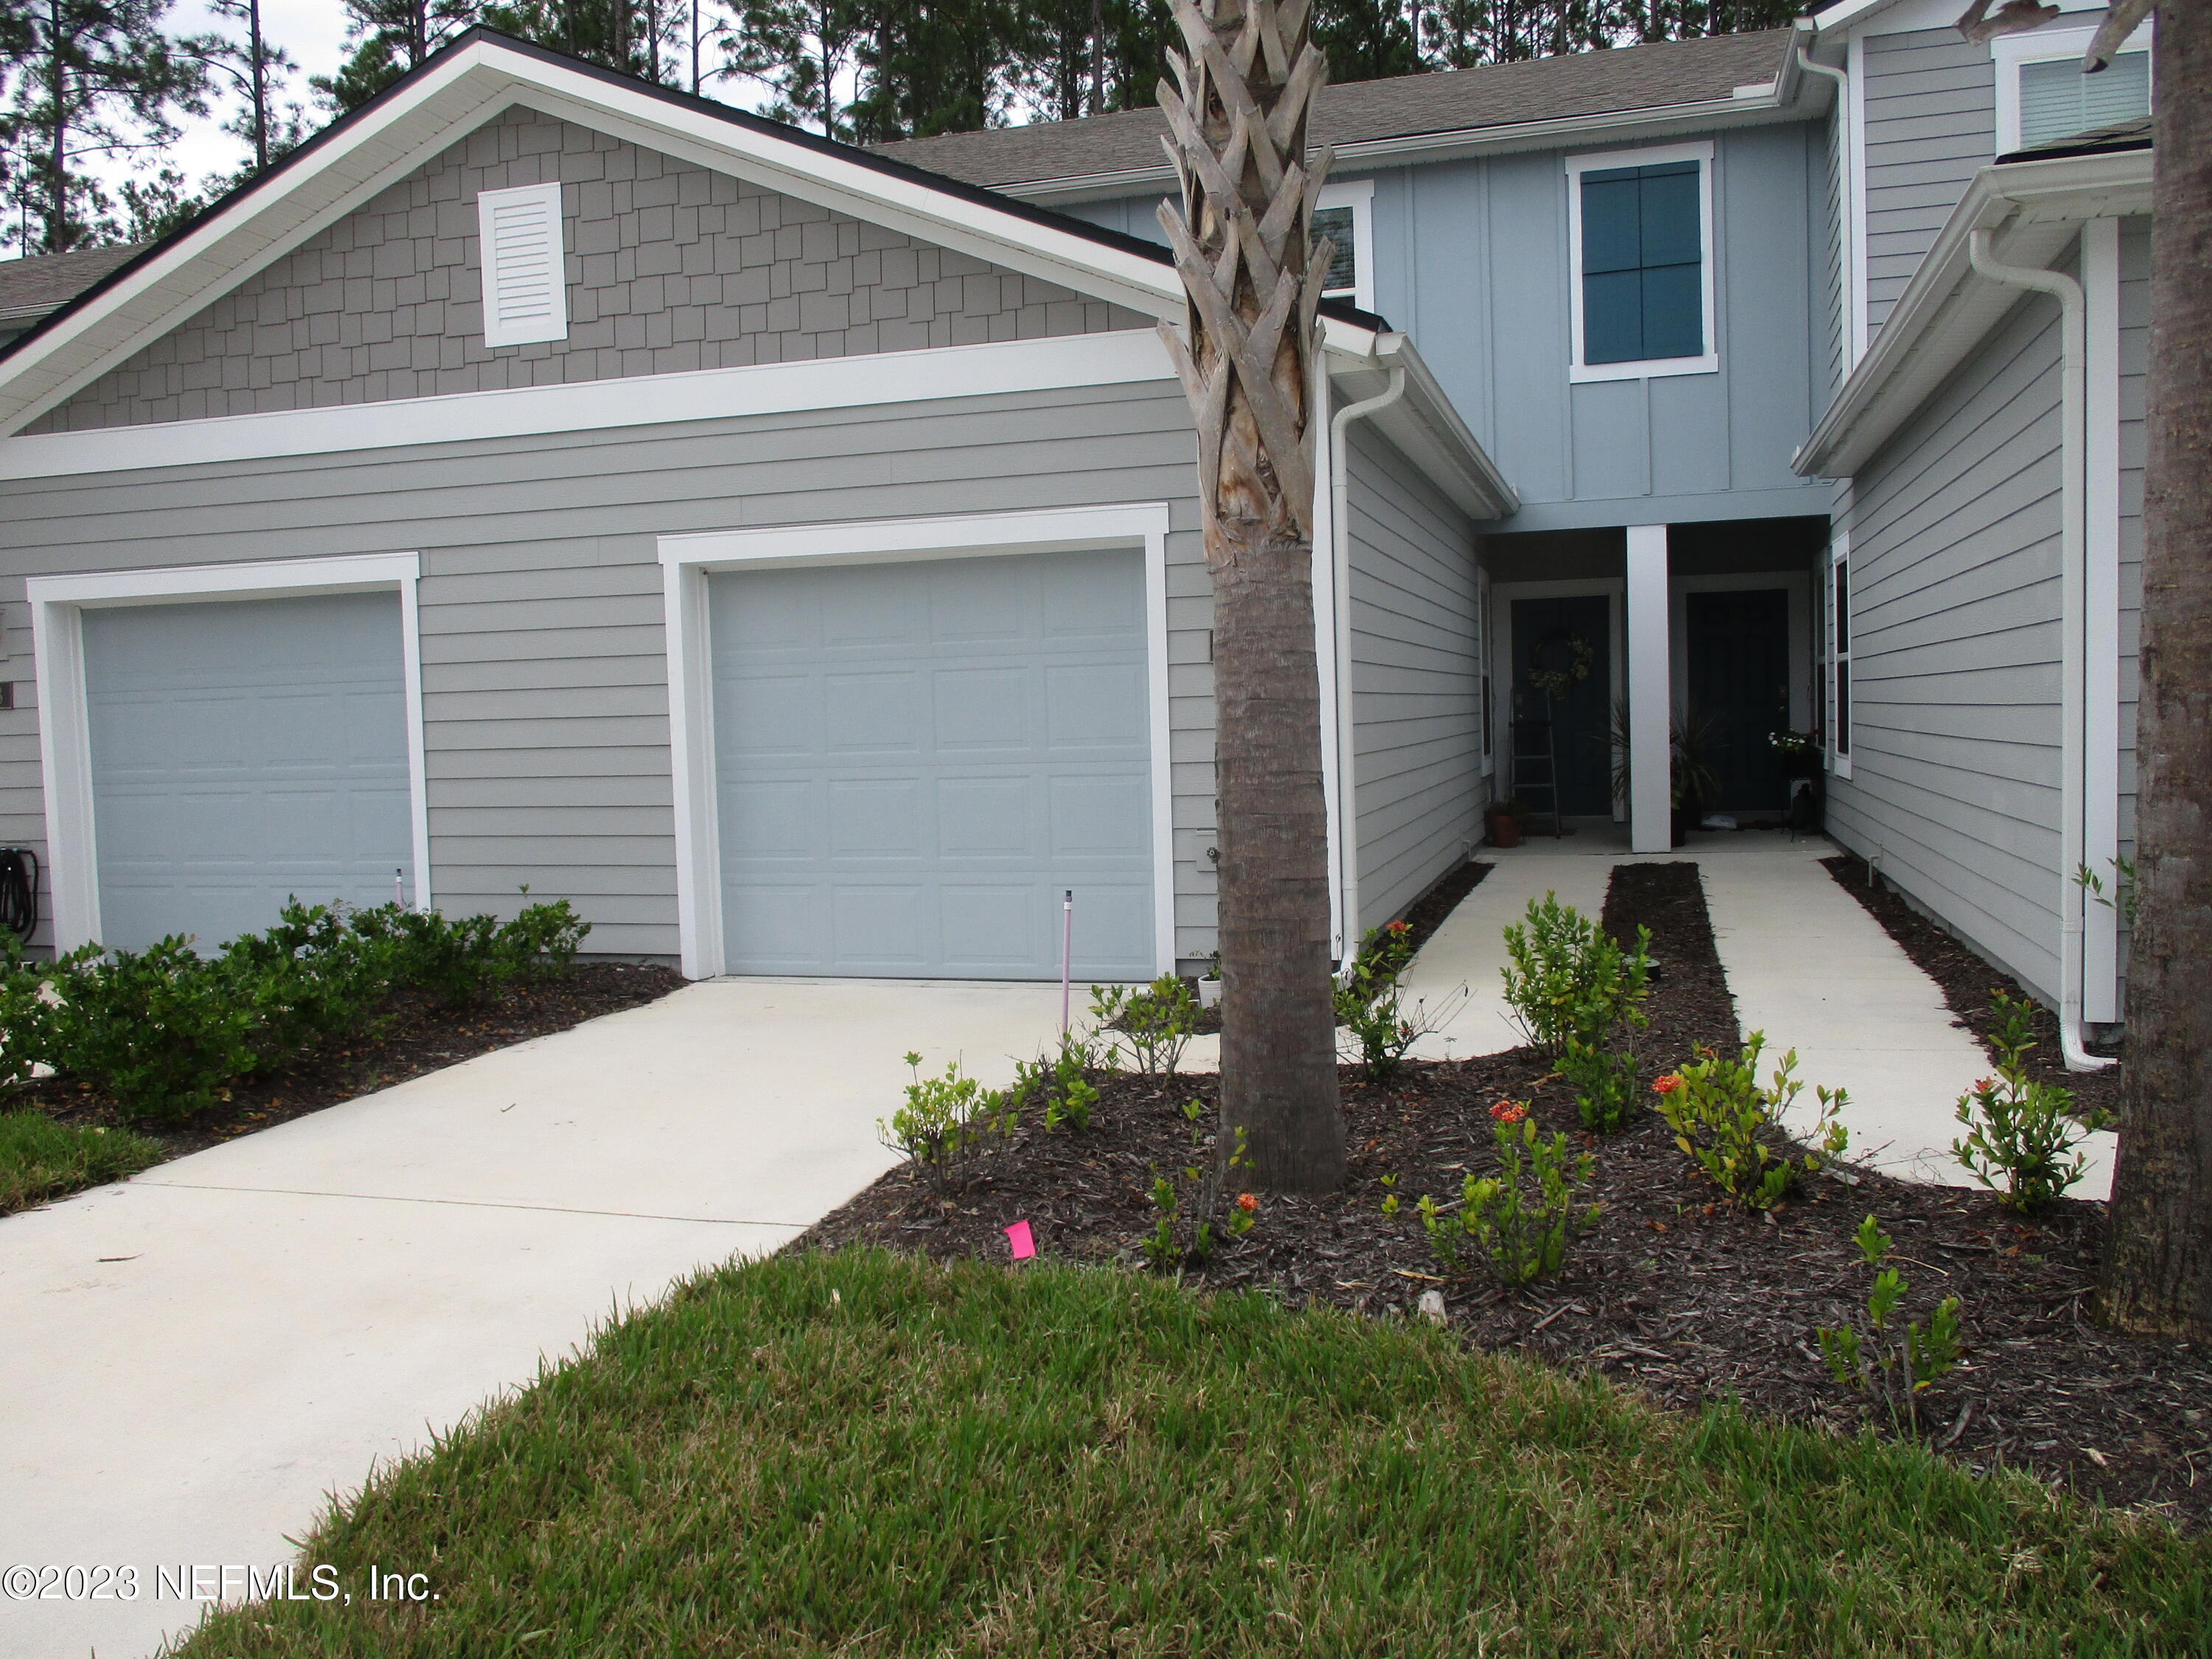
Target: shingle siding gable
{"type": "Point", "coordinates": [671, 267]}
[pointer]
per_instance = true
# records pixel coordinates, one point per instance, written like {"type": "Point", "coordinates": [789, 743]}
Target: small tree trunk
{"type": "Point", "coordinates": [2158, 1259]}
{"type": "Point", "coordinates": [1243, 246]}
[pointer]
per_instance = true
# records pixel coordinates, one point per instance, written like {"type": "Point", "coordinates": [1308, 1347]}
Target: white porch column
{"type": "Point", "coordinates": [1651, 696]}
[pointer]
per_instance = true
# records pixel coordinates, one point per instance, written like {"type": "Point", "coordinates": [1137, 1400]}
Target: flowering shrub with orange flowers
{"type": "Point", "coordinates": [1185, 1211]}
{"type": "Point", "coordinates": [1729, 1125]}
{"type": "Point", "coordinates": [2019, 1131]}
{"type": "Point", "coordinates": [1523, 1217]}
{"type": "Point", "coordinates": [1370, 1003]}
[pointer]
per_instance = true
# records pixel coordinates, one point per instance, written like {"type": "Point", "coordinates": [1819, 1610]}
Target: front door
{"type": "Point", "coordinates": [1563, 672]}
{"type": "Point", "coordinates": [1739, 685]}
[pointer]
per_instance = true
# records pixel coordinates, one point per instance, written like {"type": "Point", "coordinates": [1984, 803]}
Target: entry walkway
{"type": "Point", "coordinates": [1805, 962]}
{"type": "Point", "coordinates": [192, 1360]}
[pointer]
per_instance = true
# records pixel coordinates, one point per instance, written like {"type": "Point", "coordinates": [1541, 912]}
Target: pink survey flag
{"type": "Point", "coordinates": [1019, 1237]}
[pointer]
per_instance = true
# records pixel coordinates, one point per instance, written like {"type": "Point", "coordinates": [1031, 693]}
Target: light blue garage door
{"type": "Point", "coordinates": [915, 760]}
{"type": "Point", "coordinates": [243, 751]}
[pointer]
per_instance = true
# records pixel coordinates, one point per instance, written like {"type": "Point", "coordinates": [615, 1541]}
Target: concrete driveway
{"type": "Point", "coordinates": [190, 1362]}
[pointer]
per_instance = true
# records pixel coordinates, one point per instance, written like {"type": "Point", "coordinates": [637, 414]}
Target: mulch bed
{"type": "Point", "coordinates": [1673, 1294]}
{"type": "Point", "coordinates": [1968, 980]}
{"type": "Point", "coordinates": [417, 1034]}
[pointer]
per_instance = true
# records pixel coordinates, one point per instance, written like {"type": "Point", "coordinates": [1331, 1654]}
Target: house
{"type": "Point", "coordinates": [794, 560]}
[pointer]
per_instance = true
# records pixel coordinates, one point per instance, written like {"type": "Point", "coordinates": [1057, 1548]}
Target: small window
{"type": "Point", "coordinates": [2057, 100]}
{"type": "Point", "coordinates": [1346, 216]}
{"type": "Point", "coordinates": [1640, 231]}
{"type": "Point", "coordinates": [1839, 661]}
{"type": "Point", "coordinates": [525, 274]}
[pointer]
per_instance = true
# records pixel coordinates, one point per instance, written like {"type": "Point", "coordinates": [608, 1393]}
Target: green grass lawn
{"type": "Point", "coordinates": [41, 1159]}
{"type": "Point", "coordinates": [863, 1454]}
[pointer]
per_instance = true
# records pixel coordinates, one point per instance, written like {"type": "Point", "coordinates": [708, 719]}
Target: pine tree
{"type": "Point", "coordinates": [92, 80]}
{"type": "Point", "coordinates": [389, 38]}
{"type": "Point", "coordinates": [804, 52]}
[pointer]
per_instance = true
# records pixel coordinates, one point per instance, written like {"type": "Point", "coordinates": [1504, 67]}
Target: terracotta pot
{"type": "Point", "coordinates": [1504, 829]}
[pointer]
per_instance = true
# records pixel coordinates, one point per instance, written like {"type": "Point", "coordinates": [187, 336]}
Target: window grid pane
{"type": "Point", "coordinates": [1336, 223]}
{"type": "Point", "coordinates": [2057, 100]}
{"type": "Point", "coordinates": [1643, 263]}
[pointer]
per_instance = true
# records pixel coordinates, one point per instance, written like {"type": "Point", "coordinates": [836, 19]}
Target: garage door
{"type": "Point", "coordinates": [243, 751]}
{"type": "Point", "coordinates": [915, 760]}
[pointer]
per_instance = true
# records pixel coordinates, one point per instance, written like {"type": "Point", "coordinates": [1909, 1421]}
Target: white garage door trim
{"type": "Point", "coordinates": [57, 608]}
{"type": "Point", "coordinates": [686, 561]}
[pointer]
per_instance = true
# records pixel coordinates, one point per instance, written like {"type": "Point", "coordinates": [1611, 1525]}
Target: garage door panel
{"type": "Point", "coordinates": [242, 752]}
{"type": "Point", "coordinates": [981, 709]}
{"type": "Point", "coordinates": [978, 732]}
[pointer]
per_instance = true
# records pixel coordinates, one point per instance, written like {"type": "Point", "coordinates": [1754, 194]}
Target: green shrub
{"type": "Point", "coordinates": [26, 1012]}
{"type": "Point", "coordinates": [41, 1159]}
{"type": "Point", "coordinates": [1521, 1225]}
{"type": "Point", "coordinates": [160, 1031]}
{"type": "Point", "coordinates": [309, 978]}
{"type": "Point", "coordinates": [1185, 1210]}
{"type": "Point", "coordinates": [1564, 977]}
{"type": "Point", "coordinates": [1895, 1366]}
{"type": "Point", "coordinates": [1058, 1084]}
{"type": "Point", "coordinates": [1731, 1127]}
{"type": "Point", "coordinates": [1371, 1004]}
{"type": "Point", "coordinates": [2018, 1132]}
{"type": "Point", "coordinates": [944, 1121]}
{"type": "Point", "coordinates": [1156, 1021]}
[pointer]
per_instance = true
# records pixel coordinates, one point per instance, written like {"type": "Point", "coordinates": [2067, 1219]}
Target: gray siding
{"type": "Point", "coordinates": [670, 267]}
{"type": "Point", "coordinates": [1826, 187]}
{"type": "Point", "coordinates": [2134, 360]}
{"type": "Point", "coordinates": [1954, 538]}
{"type": "Point", "coordinates": [544, 675]}
{"type": "Point", "coordinates": [1930, 126]}
{"type": "Point", "coordinates": [1416, 679]}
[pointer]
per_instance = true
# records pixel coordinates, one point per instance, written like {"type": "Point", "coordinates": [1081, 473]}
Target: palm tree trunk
{"type": "Point", "coordinates": [2158, 1260]}
{"type": "Point", "coordinates": [1243, 246]}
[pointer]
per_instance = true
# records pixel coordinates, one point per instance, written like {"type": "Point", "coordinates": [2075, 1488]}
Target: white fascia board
{"type": "Point", "coordinates": [2036, 209]}
{"type": "Point", "coordinates": [1426, 427]}
{"type": "Point", "coordinates": [472, 86]}
{"type": "Point", "coordinates": [1058, 363]}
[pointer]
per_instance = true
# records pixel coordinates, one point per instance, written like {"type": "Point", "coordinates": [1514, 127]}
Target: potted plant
{"type": "Point", "coordinates": [1209, 983]}
{"type": "Point", "coordinates": [1505, 820]}
{"type": "Point", "coordinates": [1690, 774]}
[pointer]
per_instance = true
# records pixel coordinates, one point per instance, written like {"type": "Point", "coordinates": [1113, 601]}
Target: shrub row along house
{"type": "Point", "coordinates": [788, 552]}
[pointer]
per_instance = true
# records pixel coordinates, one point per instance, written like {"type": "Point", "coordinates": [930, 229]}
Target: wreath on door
{"type": "Point", "coordinates": [1562, 660]}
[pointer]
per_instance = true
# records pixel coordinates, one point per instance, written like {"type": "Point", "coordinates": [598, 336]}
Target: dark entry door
{"type": "Point", "coordinates": [1739, 684]}
{"type": "Point", "coordinates": [1555, 637]}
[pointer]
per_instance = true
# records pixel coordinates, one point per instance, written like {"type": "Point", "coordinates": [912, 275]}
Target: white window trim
{"type": "Point", "coordinates": [686, 561]}
{"type": "Point", "coordinates": [1839, 554]}
{"type": "Point", "coordinates": [554, 325]}
{"type": "Point", "coordinates": [1653, 367]}
{"type": "Point", "coordinates": [2010, 51]}
{"type": "Point", "coordinates": [57, 608]}
{"type": "Point", "coordinates": [1359, 195]}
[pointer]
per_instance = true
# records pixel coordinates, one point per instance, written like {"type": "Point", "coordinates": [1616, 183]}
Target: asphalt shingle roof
{"type": "Point", "coordinates": [38, 285]}
{"type": "Point", "coordinates": [1618, 82]}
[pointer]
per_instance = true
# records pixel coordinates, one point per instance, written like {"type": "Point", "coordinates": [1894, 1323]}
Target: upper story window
{"type": "Point", "coordinates": [2043, 95]}
{"type": "Point", "coordinates": [1640, 238]}
{"type": "Point", "coordinates": [1346, 215]}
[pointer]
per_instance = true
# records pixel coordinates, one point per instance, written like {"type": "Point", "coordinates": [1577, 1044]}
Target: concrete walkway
{"type": "Point", "coordinates": [190, 1361]}
{"type": "Point", "coordinates": [1805, 962]}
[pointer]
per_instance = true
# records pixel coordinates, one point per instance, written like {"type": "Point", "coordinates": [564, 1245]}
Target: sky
{"type": "Point", "coordinates": [312, 31]}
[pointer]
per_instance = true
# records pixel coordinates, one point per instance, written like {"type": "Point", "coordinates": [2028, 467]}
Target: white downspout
{"type": "Point", "coordinates": [1847, 226]}
{"type": "Point", "coordinates": [1340, 525]}
{"type": "Point", "coordinates": [2073, 609]}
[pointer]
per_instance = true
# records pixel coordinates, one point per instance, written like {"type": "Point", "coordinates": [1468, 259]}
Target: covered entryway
{"type": "Point", "coordinates": [243, 751]}
{"type": "Point", "coordinates": [913, 760]}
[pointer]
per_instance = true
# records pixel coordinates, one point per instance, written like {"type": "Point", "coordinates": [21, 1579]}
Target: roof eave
{"type": "Point", "coordinates": [1789, 97]}
{"type": "Point", "coordinates": [1426, 427]}
{"type": "Point", "coordinates": [2034, 210]}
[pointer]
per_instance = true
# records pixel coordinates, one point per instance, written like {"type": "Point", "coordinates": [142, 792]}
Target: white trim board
{"type": "Point", "coordinates": [2102, 509]}
{"type": "Point", "coordinates": [57, 608]}
{"type": "Point", "coordinates": [687, 559]}
{"type": "Point", "coordinates": [1359, 195]}
{"type": "Point", "coordinates": [1061, 362]}
{"type": "Point", "coordinates": [1708, 361]}
{"type": "Point", "coordinates": [2045, 45]}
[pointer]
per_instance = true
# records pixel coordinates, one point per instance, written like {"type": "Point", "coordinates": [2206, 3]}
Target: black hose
{"type": "Point", "coordinates": [19, 891]}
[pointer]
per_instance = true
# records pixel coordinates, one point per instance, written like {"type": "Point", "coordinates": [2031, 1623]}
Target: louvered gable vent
{"type": "Point", "coordinates": [525, 296]}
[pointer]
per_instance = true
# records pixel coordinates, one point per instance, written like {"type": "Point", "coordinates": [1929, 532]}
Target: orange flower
{"type": "Point", "coordinates": [1667, 1084]}
{"type": "Point", "coordinates": [1507, 1111]}
{"type": "Point", "coordinates": [1247, 1203]}
{"type": "Point", "coordinates": [1401, 926]}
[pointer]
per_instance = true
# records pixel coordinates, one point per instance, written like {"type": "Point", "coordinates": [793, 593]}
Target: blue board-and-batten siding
{"type": "Point", "coordinates": [1954, 544]}
{"type": "Point", "coordinates": [1416, 679]}
{"type": "Point", "coordinates": [545, 674]}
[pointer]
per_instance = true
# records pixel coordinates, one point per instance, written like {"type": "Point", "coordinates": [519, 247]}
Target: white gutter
{"type": "Point", "coordinates": [1340, 516]}
{"type": "Point", "coordinates": [2073, 560]}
